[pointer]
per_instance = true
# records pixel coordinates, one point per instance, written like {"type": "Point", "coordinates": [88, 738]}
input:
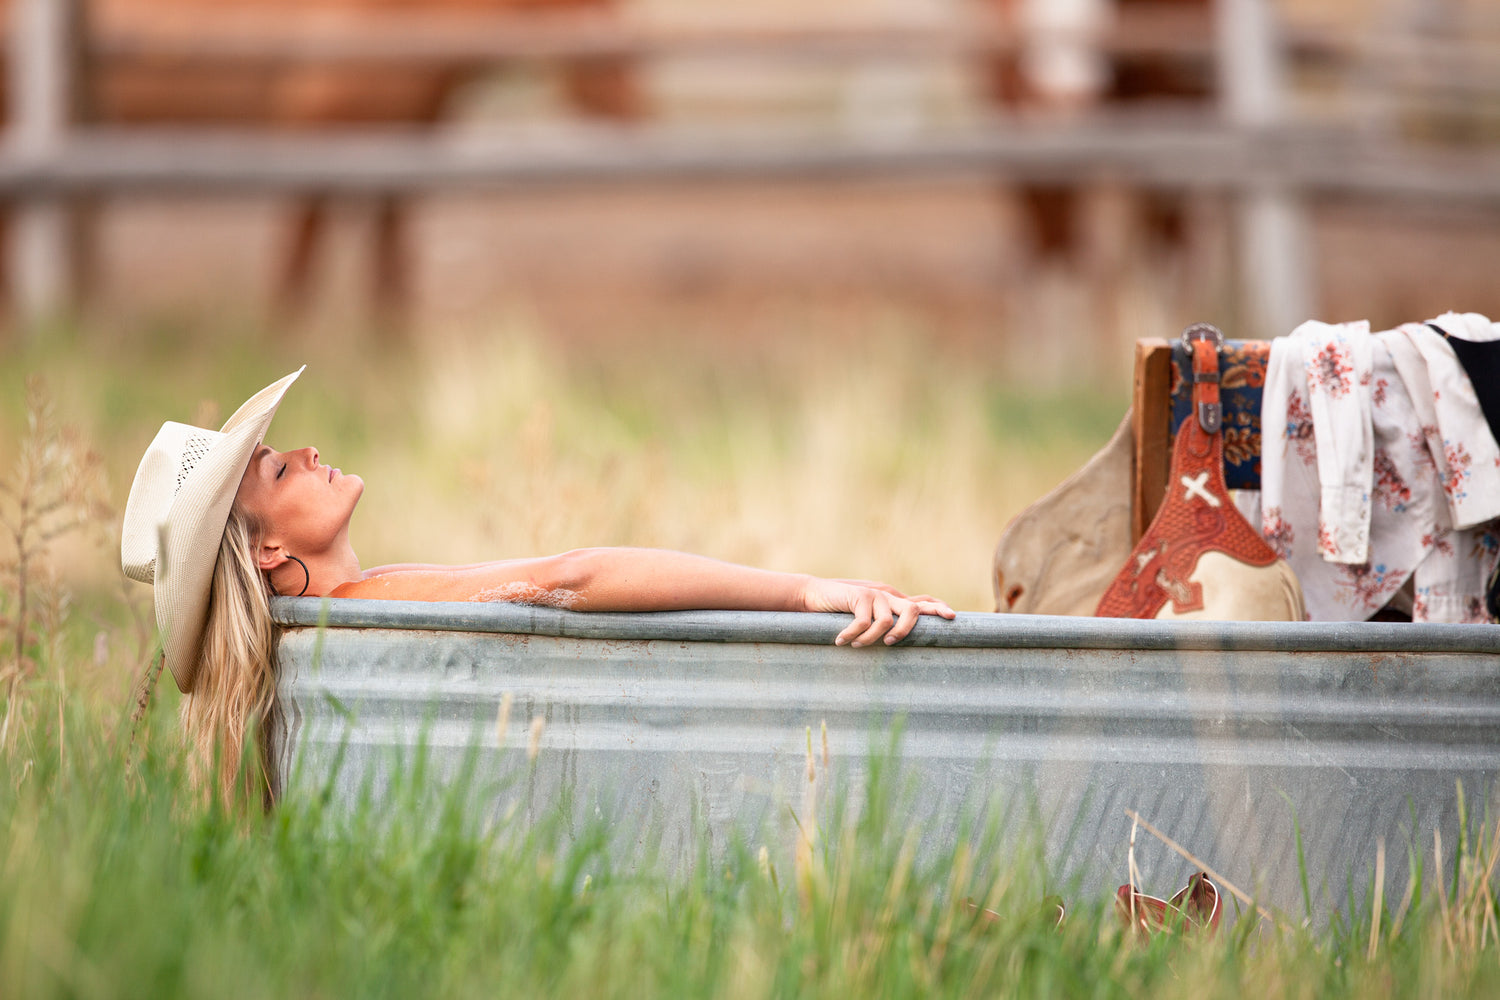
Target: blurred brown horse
{"type": "Point", "coordinates": [1020, 81]}
{"type": "Point", "coordinates": [134, 85]}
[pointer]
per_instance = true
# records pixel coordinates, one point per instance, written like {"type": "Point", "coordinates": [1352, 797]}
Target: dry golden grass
{"type": "Point", "coordinates": [878, 460]}
{"type": "Point", "coordinates": [859, 451]}
{"type": "Point", "coordinates": [54, 489]}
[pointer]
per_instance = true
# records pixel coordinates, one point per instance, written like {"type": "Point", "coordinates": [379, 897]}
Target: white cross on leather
{"type": "Point", "coordinates": [1195, 486]}
{"type": "Point", "coordinates": [1143, 559]}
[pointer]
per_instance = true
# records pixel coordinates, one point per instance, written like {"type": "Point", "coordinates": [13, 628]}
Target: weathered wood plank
{"type": "Point", "coordinates": [1151, 409]}
{"type": "Point", "coordinates": [43, 73]}
{"type": "Point", "coordinates": [1190, 153]}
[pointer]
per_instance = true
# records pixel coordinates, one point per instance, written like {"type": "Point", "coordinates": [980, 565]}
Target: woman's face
{"type": "Point", "coordinates": [304, 507]}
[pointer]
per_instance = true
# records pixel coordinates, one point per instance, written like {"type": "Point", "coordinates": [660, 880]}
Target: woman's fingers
{"type": "Point", "coordinates": [873, 618]}
{"type": "Point", "coordinates": [860, 606]}
{"type": "Point", "coordinates": [926, 599]}
{"type": "Point", "coordinates": [935, 606]}
{"type": "Point", "coordinates": [904, 624]}
{"type": "Point", "coordinates": [878, 613]}
{"type": "Point", "coordinates": [881, 619]}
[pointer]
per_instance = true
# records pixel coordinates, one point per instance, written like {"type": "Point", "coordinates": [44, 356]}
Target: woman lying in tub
{"type": "Point", "coordinates": [218, 522]}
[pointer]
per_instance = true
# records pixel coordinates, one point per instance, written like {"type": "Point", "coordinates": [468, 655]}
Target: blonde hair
{"type": "Point", "coordinates": [234, 692]}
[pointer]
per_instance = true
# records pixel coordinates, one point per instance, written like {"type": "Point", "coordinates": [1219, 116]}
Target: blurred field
{"type": "Point", "coordinates": [845, 442]}
{"type": "Point", "coordinates": [853, 378]}
{"type": "Point", "coordinates": [847, 445]}
{"type": "Point", "coordinates": [624, 263]}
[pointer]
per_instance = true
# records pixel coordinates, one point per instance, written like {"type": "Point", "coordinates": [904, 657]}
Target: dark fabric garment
{"type": "Point", "coordinates": [1492, 594]}
{"type": "Point", "coordinates": [1481, 362]}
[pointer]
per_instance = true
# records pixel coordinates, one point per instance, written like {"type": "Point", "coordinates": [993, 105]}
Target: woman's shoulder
{"type": "Point", "coordinates": [433, 582]}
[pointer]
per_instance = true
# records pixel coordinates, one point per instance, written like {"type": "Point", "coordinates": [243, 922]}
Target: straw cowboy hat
{"type": "Point", "coordinates": [175, 517]}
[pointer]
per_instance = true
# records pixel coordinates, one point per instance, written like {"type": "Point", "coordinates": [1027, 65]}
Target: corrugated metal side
{"type": "Point", "coordinates": [681, 727]}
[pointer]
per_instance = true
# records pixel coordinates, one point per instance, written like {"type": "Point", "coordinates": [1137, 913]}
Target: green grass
{"type": "Point", "coordinates": [117, 883]}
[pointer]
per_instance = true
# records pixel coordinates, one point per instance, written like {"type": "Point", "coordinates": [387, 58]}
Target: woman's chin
{"type": "Point", "coordinates": [351, 489]}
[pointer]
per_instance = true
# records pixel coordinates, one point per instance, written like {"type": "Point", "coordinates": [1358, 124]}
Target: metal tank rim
{"type": "Point", "coordinates": [970, 630]}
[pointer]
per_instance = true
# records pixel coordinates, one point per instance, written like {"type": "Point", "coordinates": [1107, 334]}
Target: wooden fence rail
{"type": "Point", "coordinates": [1190, 153]}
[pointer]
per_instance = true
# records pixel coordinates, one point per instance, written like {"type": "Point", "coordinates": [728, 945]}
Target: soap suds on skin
{"type": "Point", "coordinates": [520, 592]}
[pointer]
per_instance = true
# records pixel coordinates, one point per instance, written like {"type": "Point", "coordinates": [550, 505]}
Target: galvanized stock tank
{"type": "Point", "coordinates": [681, 726]}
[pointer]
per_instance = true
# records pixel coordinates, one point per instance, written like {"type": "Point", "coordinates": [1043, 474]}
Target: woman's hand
{"type": "Point", "coordinates": [887, 588]}
{"type": "Point", "coordinates": [878, 610]}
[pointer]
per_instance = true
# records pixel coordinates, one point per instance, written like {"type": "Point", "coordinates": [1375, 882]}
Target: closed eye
{"type": "Point", "coordinates": [280, 470]}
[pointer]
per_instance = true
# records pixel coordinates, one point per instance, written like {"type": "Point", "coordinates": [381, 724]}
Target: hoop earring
{"type": "Point", "coordinates": [306, 576]}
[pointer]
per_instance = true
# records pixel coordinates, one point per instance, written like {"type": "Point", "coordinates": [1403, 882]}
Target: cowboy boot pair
{"type": "Point", "coordinates": [1195, 908]}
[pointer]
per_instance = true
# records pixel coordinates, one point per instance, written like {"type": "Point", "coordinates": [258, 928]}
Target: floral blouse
{"type": "Point", "coordinates": [1377, 467]}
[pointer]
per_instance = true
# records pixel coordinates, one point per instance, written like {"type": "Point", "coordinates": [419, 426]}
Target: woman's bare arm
{"type": "Point", "coordinates": [630, 579]}
{"type": "Point", "coordinates": [398, 567]}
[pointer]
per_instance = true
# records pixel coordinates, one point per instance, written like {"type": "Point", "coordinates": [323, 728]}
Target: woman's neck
{"type": "Point", "coordinates": [325, 572]}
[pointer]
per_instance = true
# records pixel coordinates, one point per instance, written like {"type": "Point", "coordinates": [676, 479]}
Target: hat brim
{"type": "Point", "coordinates": [188, 548]}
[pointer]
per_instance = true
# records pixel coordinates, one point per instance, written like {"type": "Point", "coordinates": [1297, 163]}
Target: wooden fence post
{"type": "Point", "coordinates": [44, 70]}
{"type": "Point", "coordinates": [1275, 258]}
